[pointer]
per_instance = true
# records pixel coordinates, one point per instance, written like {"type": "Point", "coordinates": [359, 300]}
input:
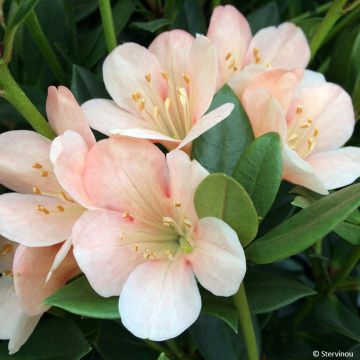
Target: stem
{"type": "Point", "coordinates": [44, 46]}
{"type": "Point", "coordinates": [349, 264]}
{"type": "Point", "coordinates": [17, 98]}
{"type": "Point", "coordinates": [108, 24]}
{"type": "Point", "coordinates": [246, 323]}
{"type": "Point", "coordinates": [318, 247]}
{"type": "Point", "coordinates": [174, 347]}
{"type": "Point", "coordinates": [156, 346]}
{"type": "Point", "coordinates": [332, 16]}
{"type": "Point", "coordinates": [307, 14]}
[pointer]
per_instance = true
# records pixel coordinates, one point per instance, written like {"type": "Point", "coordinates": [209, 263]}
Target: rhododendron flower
{"type": "Point", "coordinates": [314, 118]}
{"type": "Point", "coordinates": [147, 244]}
{"type": "Point", "coordinates": [23, 288]}
{"type": "Point", "coordinates": [160, 93]}
{"type": "Point", "coordinates": [282, 47]}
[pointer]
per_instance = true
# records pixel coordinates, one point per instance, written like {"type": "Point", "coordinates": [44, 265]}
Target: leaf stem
{"type": "Point", "coordinates": [156, 346]}
{"type": "Point", "coordinates": [108, 24]}
{"type": "Point", "coordinates": [17, 98]}
{"type": "Point", "coordinates": [174, 347]}
{"type": "Point", "coordinates": [317, 11]}
{"type": "Point", "coordinates": [332, 16]}
{"type": "Point", "coordinates": [246, 323]}
{"type": "Point", "coordinates": [44, 46]}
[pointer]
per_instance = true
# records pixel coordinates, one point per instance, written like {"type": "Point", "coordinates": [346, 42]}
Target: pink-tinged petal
{"type": "Point", "coordinates": [282, 47]}
{"type": "Point", "coordinates": [172, 49]}
{"type": "Point", "coordinates": [185, 176]}
{"type": "Point", "coordinates": [208, 121]}
{"type": "Point", "coordinates": [31, 266]}
{"type": "Point", "coordinates": [218, 259]}
{"type": "Point", "coordinates": [331, 111]}
{"type": "Point", "coordinates": [127, 175]}
{"type": "Point", "coordinates": [160, 300]}
{"type": "Point", "coordinates": [124, 72]}
{"type": "Point", "coordinates": [69, 155]}
{"type": "Point", "coordinates": [64, 113]}
{"type": "Point", "coordinates": [104, 116]}
{"type": "Point", "coordinates": [202, 72]}
{"type": "Point", "coordinates": [299, 172]}
{"type": "Point", "coordinates": [310, 78]}
{"type": "Point", "coordinates": [60, 256]}
{"type": "Point", "coordinates": [230, 32]}
{"type": "Point", "coordinates": [336, 168]}
{"type": "Point", "coordinates": [17, 326]}
{"type": "Point", "coordinates": [36, 220]}
{"type": "Point", "coordinates": [106, 251]}
{"type": "Point", "coordinates": [25, 162]}
{"type": "Point", "coordinates": [265, 113]}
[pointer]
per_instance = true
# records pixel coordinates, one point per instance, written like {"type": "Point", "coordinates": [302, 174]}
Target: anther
{"type": "Point", "coordinates": [125, 215]}
{"type": "Point", "coordinates": [268, 65]}
{"type": "Point", "coordinates": [256, 55]}
{"type": "Point", "coordinates": [136, 95]}
{"type": "Point", "coordinates": [305, 125]}
{"type": "Point", "coordinates": [66, 197]}
{"type": "Point", "coordinates": [8, 273]}
{"type": "Point", "coordinates": [6, 249]}
{"type": "Point", "coordinates": [299, 109]}
{"type": "Point", "coordinates": [149, 255]}
{"type": "Point", "coordinates": [187, 222]}
{"type": "Point", "coordinates": [135, 246]}
{"type": "Point", "coordinates": [148, 77]}
{"type": "Point", "coordinates": [309, 120]}
{"type": "Point", "coordinates": [123, 236]}
{"type": "Point", "coordinates": [164, 75]}
{"type": "Point", "coordinates": [316, 132]}
{"type": "Point", "coordinates": [311, 144]}
{"type": "Point", "coordinates": [176, 204]}
{"type": "Point", "coordinates": [36, 165]}
{"type": "Point", "coordinates": [141, 104]}
{"type": "Point", "coordinates": [60, 207]}
{"type": "Point", "coordinates": [293, 137]}
{"type": "Point", "coordinates": [169, 254]}
{"type": "Point", "coordinates": [42, 209]}
{"type": "Point", "coordinates": [36, 190]}
{"type": "Point", "coordinates": [232, 64]}
{"type": "Point", "coordinates": [186, 78]}
{"type": "Point", "coordinates": [167, 221]}
{"type": "Point", "coordinates": [44, 174]}
{"type": "Point", "coordinates": [228, 56]}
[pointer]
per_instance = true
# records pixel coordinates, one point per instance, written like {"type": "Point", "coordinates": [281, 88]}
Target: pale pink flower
{"type": "Point", "coordinates": [147, 244]}
{"type": "Point", "coordinates": [282, 47]}
{"type": "Point", "coordinates": [161, 93]}
{"type": "Point", "coordinates": [314, 118]}
{"type": "Point", "coordinates": [23, 288]}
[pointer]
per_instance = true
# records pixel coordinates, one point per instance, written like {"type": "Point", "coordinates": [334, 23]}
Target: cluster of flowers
{"type": "Point", "coordinates": [122, 212]}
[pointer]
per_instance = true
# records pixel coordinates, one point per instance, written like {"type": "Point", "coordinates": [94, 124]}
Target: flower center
{"type": "Point", "coordinates": [302, 133]}
{"type": "Point", "coordinates": [170, 116]}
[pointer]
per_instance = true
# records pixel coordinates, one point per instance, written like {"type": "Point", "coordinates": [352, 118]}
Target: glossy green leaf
{"type": "Point", "coordinates": [259, 171]}
{"type": "Point", "coordinates": [349, 232]}
{"type": "Point", "coordinates": [267, 291]}
{"type": "Point", "coordinates": [219, 148]}
{"type": "Point", "coordinates": [220, 196]}
{"type": "Point", "coordinates": [56, 338]}
{"type": "Point", "coordinates": [85, 85]}
{"type": "Point", "coordinates": [309, 26]}
{"type": "Point", "coordinates": [336, 316]}
{"type": "Point", "coordinates": [264, 16]}
{"type": "Point", "coordinates": [79, 298]}
{"type": "Point", "coordinates": [306, 227]}
{"type": "Point", "coordinates": [152, 26]}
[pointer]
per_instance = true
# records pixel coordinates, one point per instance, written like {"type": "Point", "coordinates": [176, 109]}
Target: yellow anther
{"type": "Point", "coordinates": [141, 104]}
{"type": "Point", "coordinates": [44, 174]}
{"type": "Point", "coordinates": [299, 109]}
{"type": "Point", "coordinates": [187, 222]}
{"type": "Point", "coordinates": [148, 77]}
{"type": "Point", "coordinates": [125, 215]}
{"type": "Point", "coordinates": [228, 56]}
{"type": "Point", "coordinates": [136, 95]}
{"type": "Point", "coordinates": [169, 254]}
{"type": "Point", "coordinates": [42, 209]}
{"type": "Point", "coordinates": [66, 197]}
{"type": "Point", "coordinates": [123, 236]}
{"type": "Point", "coordinates": [186, 78]}
{"type": "Point", "coordinates": [268, 65]}
{"type": "Point", "coordinates": [311, 144]}
{"type": "Point", "coordinates": [256, 55]}
{"type": "Point", "coordinates": [36, 165]}
{"type": "Point", "coordinates": [316, 132]}
{"type": "Point", "coordinates": [235, 68]}
{"type": "Point", "coordinates": [8, 273]}
{"type": "Point", "coordinates": [60, 207]}
{"type": "Point", "coordinates": [36, 190]}
{"type": "Point", "coordinates": [135, 246]}
{"type": "Point", "coordinates": [6, 249]}
{"type": "Point", "coordinates": [232, 64]}
{"type": "Point", "coordinates": [305, 125]}
{"type": "Point", "coordinates": [309, 120]}
{"type": "Point", "coordinates": [293, 137]}
{"type": "Point", "coordinates": [164, 75]}
{"type": "Point", "coordinates": [182, 95]}
{"type": "Point", "coordinates": [176, 204]}
{"type": "Point", "coordinates": [150, 255]}
{"type": "Point", "coordinates": [167, 221]}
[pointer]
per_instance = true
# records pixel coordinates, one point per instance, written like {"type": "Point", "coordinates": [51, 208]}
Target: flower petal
{"type": "Point", "coordinates": [160, 300]}
{"type": "Point", "coordinates": [25, 162]}
{"type": "Point", "coordinates": [104, 249]}
{"type": "Point", "coordinates": [64, 113]}
{"type": "Point", "coordinates": [218, 259]}
{"type": "Point", "coordinates": [60, 256]}
{"type": "Point", "coordinates": [282, 47]}
{"type": "Point", "coordinates": [299, 172]}
{"type": "Point", "coordinates": [68, 154]}
{"type": "Point", "coordinates": [336, 168]}
{"type": "Point", "coordinates": [127, 175]}
{"type": "Point", "coordinates": [226, 20]}
{"type": "Point", "coordinates": [207, 122]}
{"type": "Point", "coordinates": [124, 73]}
{"type": "Point", "coordinates": [31, 266]}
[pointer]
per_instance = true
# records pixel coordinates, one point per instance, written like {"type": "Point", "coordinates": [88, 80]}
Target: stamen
{"type": "Point", "coordinates": [66, 197]}
{"type": "Point", "coordinates": [148, 77]}
{"type": "Point", "coordinates": [164, 75]}
{"type": "Point", "coordinates": [44, 174]}
{"type": "Point", "coordinates": [60, 207]}
{"type": "Point", "coordinates": [268, 65]}
{"type": "Point", "coordinates": [36, 190]}
{"type": "Point", "coordinates": [176, 204]}
{"type": "Point", "coordinates": [311, 144]}
{"type": "Point", "coordinates": [256, 55]}
{"type": "Point", "coordinates": [150, 255]}
{"type": "Point", "coordinates": [186, 78]}
{"type": "Point", "coordinates": [299, 109]}
{"type": "Point", "coordinates": [141, 104]}
{"type": "Point", "coordinates": [305, 125]}
{"type": "Point", "coordinates": [42, 209]}
{"type": "Point", "coordinates": [156, 112]}
{"type": "Point", "coordinates": [316, 132]}
{"type": "Point", "coordinates": [232, 64]}
{"type": "Point", "coordinates": [6, 249]}
{"type": "Point", "coordinates": [36, 165]}
{"type": "Point", "coordinates": [187, 222]}
{"type": "Point", "coordinates": [123, 236]}
{"type": "Point", "coordinates": [169, 254]}
{"type": "Point", "coordinates": [136, 95]}
{"type": "Point", "coordinates": [182, 96]}
{"type": "Point", "coordinates": [292, 138]}
{"type": "Point", "coordinates": [228, 56]}
{"type": "Point", "coordinates": [135, 246]}
{"type": "Point", "coordinates": [8, 273]}
{"type": "Point", "coordinates": [125, 215]}
{"type": "Point", "coordinates": [309, 120]}
{"type": "Point", "coordinates": [167, 221]}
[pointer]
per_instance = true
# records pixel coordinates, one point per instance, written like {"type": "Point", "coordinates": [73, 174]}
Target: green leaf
{"type": "Point", "coordinates": [85, 85]}
{"type": "Point", "coordinates": [259, 171]}
{"type": "Point", "coordinates": [264, 16]}
{"type": "Point", "coordinates": [309, 26]}
{"type": "Point", "coordinates": [337, 317]}
{"type": "Point", "coordinates": [220, 196]}
{"type": "Point", "coordinates": [79, 298]}
{"type": "Point", "coordinates": [305, 228]}
{"type": "Point", "coordinates": [191, 17]}
{"type": "Point", "coordinates": [219, 148]}
{"type": "Point", "coordinates": [16, 19]}
{"type": "Point", "coordinates": [349, 232]}
{"type": "Point", "coordinates": [152, 26]}
{"type": "Point", "coordinates": [163, 357]}
{"type": "Point", "coordinates": [267, 291]}
{"type": "Point", "coordinates": [56, 338]}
